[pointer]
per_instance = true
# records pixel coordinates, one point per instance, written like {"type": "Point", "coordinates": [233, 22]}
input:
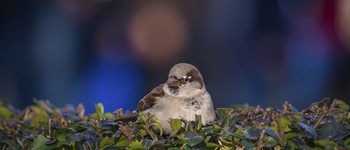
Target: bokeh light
{"type": "Point", "coordinates": [115, 52]}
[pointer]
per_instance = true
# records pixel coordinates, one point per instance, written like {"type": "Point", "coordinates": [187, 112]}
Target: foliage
{"type": "Point", "coordinates": [323, 125]}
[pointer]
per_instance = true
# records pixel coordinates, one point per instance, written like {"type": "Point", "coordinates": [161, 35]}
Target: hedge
{"type": "Point", "coordinates": [323, 125]}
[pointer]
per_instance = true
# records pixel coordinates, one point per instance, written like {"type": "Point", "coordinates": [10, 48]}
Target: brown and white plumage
{"type": "Point", "coordinates": [182, 97]}
{"type": "Point", "coordinates": [150, 99]}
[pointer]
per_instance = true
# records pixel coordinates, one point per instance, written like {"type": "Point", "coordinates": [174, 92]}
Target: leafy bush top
{"type": "Point", "coordinates": [323, 125]}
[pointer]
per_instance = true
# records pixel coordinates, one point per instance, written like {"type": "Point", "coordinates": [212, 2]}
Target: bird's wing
{"type": "Point", "coordinates": [150, 99]}
{"type": "Point", "coordinates": [146, 102]}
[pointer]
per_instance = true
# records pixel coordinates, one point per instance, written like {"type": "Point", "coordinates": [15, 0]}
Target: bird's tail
{"type": "Point", "coordinates": [128, 117]}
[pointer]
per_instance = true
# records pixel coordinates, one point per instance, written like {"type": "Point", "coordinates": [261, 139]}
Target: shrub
{"type": "Point", "coordinates": [323, 125]}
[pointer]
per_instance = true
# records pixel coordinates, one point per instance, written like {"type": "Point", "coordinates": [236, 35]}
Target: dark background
{"type": "Point", "coordinates": [115, 52]}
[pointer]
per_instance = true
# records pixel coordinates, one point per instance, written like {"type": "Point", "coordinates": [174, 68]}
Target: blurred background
{"type": "Point", "coordinates": [115, 52]}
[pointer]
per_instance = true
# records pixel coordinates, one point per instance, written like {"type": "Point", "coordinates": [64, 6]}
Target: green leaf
{"type": "Point", "coordinates": [190, 128]}
{"type": "Point", "coordinates": [252, 133]}
{"type": "Point", "coordinates": [159, 127]}
{"type": "Point", "coordinates": [270, 132]}
{"type": "Point", "coordinates": [212, 145]}
{"type": "Point", "coordinates": [109, 115]}
{"type": "Point", "coordinates": [341, 104]}
{"type": "Point", "coordinates": [186, 147]}
{"type": "Point", "coordinates": [30, 128]}
{"type": "Point", "coordinates": [273, 126]}
{"type": "Point", "coordinates": [99, 110]}
{"type": "Point", "coordinates": [333, 131]}
{"type": "Point", "coordinates": [95, 115]}
{"type": "Point", "coordinates": [15, 147]}
{"type": "Point", "coordinates": [269, 141]}
{"type": "Point", "coordinates": [40, 120]}
{"type": "Point", "coordinates": [207, 138]}
{"type": "Point", "coordinates": [153, 117]}
{"type": "Point", "coordinates": [248, 145]}
{"type": "Point", "coordinates": [72, 145]}
{"type": "Point", "coordinates": [311, 130]}
{"type": "Point", "coordinates": [60, 135]}
{"type": "Point", "coordinates": [143, 118]}
{"type": "Point", "coordinates": [105, 143]}
{"type": "Point", "coordinates": [330, 147]}
{"type": "Point", "coordinates": [174, 148]}
{"type": "Point", "coordinates": [5, 112]}
{"type": "Point", "coordinates": [72, 117]}
{"type": "Point", "coordinates": [198, 122]}
{"type": "Point", "coordinates": [347, 143]}
{"type": "Point", "coordinates": [292, 144]}
{"type": "Point", "coordinates": [291, 135]}
{"type": "Point", "coordinates": [36, 109]}
{"type": "Point", "coordinates": [297, 117]}
{"type": "Point", "coordinates": [143, 132]}
{"type": "Point", "coordinates": [182, 136]}
{"type": "Point", "coordinates": [193, 139]}
{"type": "Point", "coordinates": [324, 143]}
{"type": "Point", "coordinates": [122, 141]}
{"type": "Point", "coordinates": [285, 122]}
{"type": "Point", "coordinates": [147, 143]}
{"type": "Point", "coordinates": [78, 128]}
{"type": "Point", "coordinates": [233, 134]}
{"type": "Point", "coordinates": [216, 127]}
{"type": "Point", "coordinates": [239, 132]}
{"type": "Point", "coordinates": [136, 145]}
{"type": "Point", "coordinates": [228, 124]}
{"type": "Point", "coordinates": [40, 143]}
{"type": "Point", "coordinates": [175, 125]}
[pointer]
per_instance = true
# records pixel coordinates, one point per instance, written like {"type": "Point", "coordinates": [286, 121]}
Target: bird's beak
{"type": "Point", "coordinates": [172, 82]}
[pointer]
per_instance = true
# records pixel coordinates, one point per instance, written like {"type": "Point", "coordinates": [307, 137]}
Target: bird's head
{"type": "Point", "coordinates": [184, 80]}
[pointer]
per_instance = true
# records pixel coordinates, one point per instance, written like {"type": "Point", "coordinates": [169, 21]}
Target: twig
{"type": "Point", "coordinates": [96, 148]}
{"type": "Point", "coordinates": [257, 109]}
{"type": "Point", "coordinates": [319, 120]}
{"type": "Point", "coordinates": [84, 146]}
{"type": "Point", "coordinates": [285, 107]}
{"type": "Point", "coordinates": [277, 118]}
{"type": "Point", "coordinates": [333, 103]}
{"type": "Point", "coordinates": [239, 127]}
{"type": "Point", "coordinates": [220, 143]}
{"type": "Point", "coordinates": [20, 143]}
{"type": "Point", "coordinates": [280, 139]}
{"type": "Point", "coordinates": [223, 140]}
{"type": "Point", "coordinates": [278, 121]}
{"type": "Point", "coordinates": [88, 144]}
{"type": "Point", "coordinates": [49, 129]}
{"type": "Point", "coordinates": [150, 133]}
{"type": "Point", "coordinates": [233, 143]}
{"type": "Point", "coordinates": [261, 139]}
{"type": "Point", "coordinates": [327, 138]}
{"type": "Point", "coordinates": [14, 135]}
{"type": "Point", "coordinates": [255, 124]}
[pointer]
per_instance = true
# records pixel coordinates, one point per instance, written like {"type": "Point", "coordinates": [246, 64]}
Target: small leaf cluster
{"type": "Point", "coordinates": [323, 125]}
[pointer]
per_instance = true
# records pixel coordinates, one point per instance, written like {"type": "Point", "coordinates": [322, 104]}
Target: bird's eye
{"type": "Point", "coordinates": [189, 79]}
{"type": "Point", "coordinates": [186, 79]}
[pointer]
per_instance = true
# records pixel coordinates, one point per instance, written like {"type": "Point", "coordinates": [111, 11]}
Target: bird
{"type": "Point", "coordinates": [182, 96]}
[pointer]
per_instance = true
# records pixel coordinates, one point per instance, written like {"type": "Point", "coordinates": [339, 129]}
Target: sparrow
{"type": "Point", "coordinates": [183, 96]}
